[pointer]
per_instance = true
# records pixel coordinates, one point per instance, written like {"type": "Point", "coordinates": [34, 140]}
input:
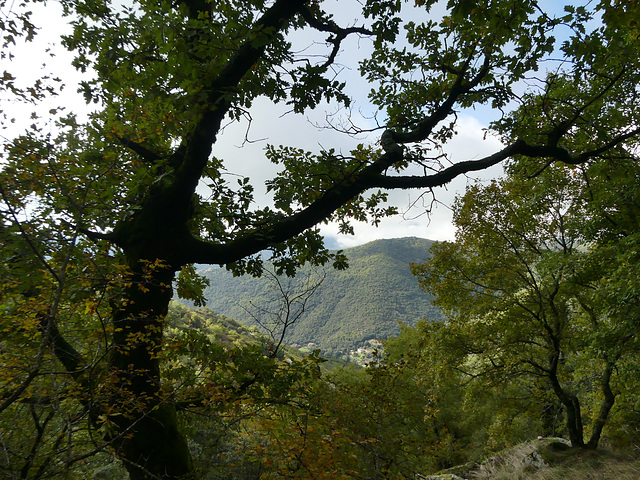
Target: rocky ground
{"type": "Point", "coordinates": [548, 459]}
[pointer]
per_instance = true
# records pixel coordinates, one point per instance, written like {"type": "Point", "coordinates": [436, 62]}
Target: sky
{"type": "Point", "coordinates": [278, 126]}
{"type": "Point", "coordinates": [269, 127]}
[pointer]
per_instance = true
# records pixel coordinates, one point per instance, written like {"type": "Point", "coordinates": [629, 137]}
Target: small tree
{"type": "Point", "coordinates": [523, 293]}
{"type": "Point", "coordinates": [284, 306]}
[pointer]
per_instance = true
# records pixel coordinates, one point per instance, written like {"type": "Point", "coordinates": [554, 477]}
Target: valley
{"type": "Point", "coordinates": [348, 313]}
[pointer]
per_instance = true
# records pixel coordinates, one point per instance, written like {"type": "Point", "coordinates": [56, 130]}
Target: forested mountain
{"type": "Point", "coordinates": [350, 307]}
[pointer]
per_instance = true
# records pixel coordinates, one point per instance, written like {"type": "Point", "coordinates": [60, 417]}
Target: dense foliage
{"type": "Point", "coordinates": [99, 216]}
{"type": "Point", "coordinates": [537, 290]}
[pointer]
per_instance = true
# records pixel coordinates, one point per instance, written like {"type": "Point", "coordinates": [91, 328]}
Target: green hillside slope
{"type": "Point", "coordinates": [353, 306]}
{"type": "Point", "coordinates": [229, 333]}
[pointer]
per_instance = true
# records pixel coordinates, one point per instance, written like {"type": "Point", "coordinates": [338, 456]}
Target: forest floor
{"type": "Point", "coordinates": [549, 459]}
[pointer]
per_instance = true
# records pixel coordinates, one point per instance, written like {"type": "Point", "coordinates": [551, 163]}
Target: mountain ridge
{"type": "Point", "coordinates": [351, 307]}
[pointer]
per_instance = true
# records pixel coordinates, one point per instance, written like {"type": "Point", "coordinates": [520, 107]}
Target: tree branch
{"type": "Point", "coordinates": [556, 134]}
{"type": "Point", "coordinates": [203, 252]}
{"type": "Point", "coordinates": [196, 147]}
{"type": "Point", "coordinates": [70, 358]}
{"type": "Point", "coordinates": [459, 88]}
{"type": "Point", "coordinates": [144, 153]}
{"type": "Point", "coordinates": [14, 396]}
{"type": "Point", "coordinates": [371, 177]}
{"type": "Point", "coordinates": [449, 173]}
{"type": "Point", "coordinates": [339, 33]}
{"type": "Point", "coordinates": [563, 155]}
{"type": "Point", "coordinates": [95, 236]}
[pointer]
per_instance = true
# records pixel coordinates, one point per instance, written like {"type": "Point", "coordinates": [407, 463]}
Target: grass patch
{"type": "Point", "coordinates": [553, 459]}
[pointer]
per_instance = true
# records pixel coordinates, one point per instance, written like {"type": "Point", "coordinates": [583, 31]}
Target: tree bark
{"type": "Point", "coordinates": [568, 400]}
{"type": "Point", "coordinates": [574, 416]}
{"type": "Point", "coordinates": [574, 421]}
{"type": "Point", "coordinates": [146, 435]}
{"type": "Point", "coordinates": [605, 407]}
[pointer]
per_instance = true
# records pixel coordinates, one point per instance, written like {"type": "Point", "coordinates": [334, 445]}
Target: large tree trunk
{"type": "Point", "coordinates": [146, 435]}
{"type": "Point", "coordinates": [605, 407]}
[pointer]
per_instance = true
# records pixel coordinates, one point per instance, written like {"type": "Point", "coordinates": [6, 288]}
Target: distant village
{"type": "Point", "coordinates": [362, 355]}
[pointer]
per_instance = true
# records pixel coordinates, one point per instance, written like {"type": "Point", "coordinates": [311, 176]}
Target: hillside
{"type": "Point", "coordinates": [349, 309]}
{"type": "Point", "coordinates": [220, 329]}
